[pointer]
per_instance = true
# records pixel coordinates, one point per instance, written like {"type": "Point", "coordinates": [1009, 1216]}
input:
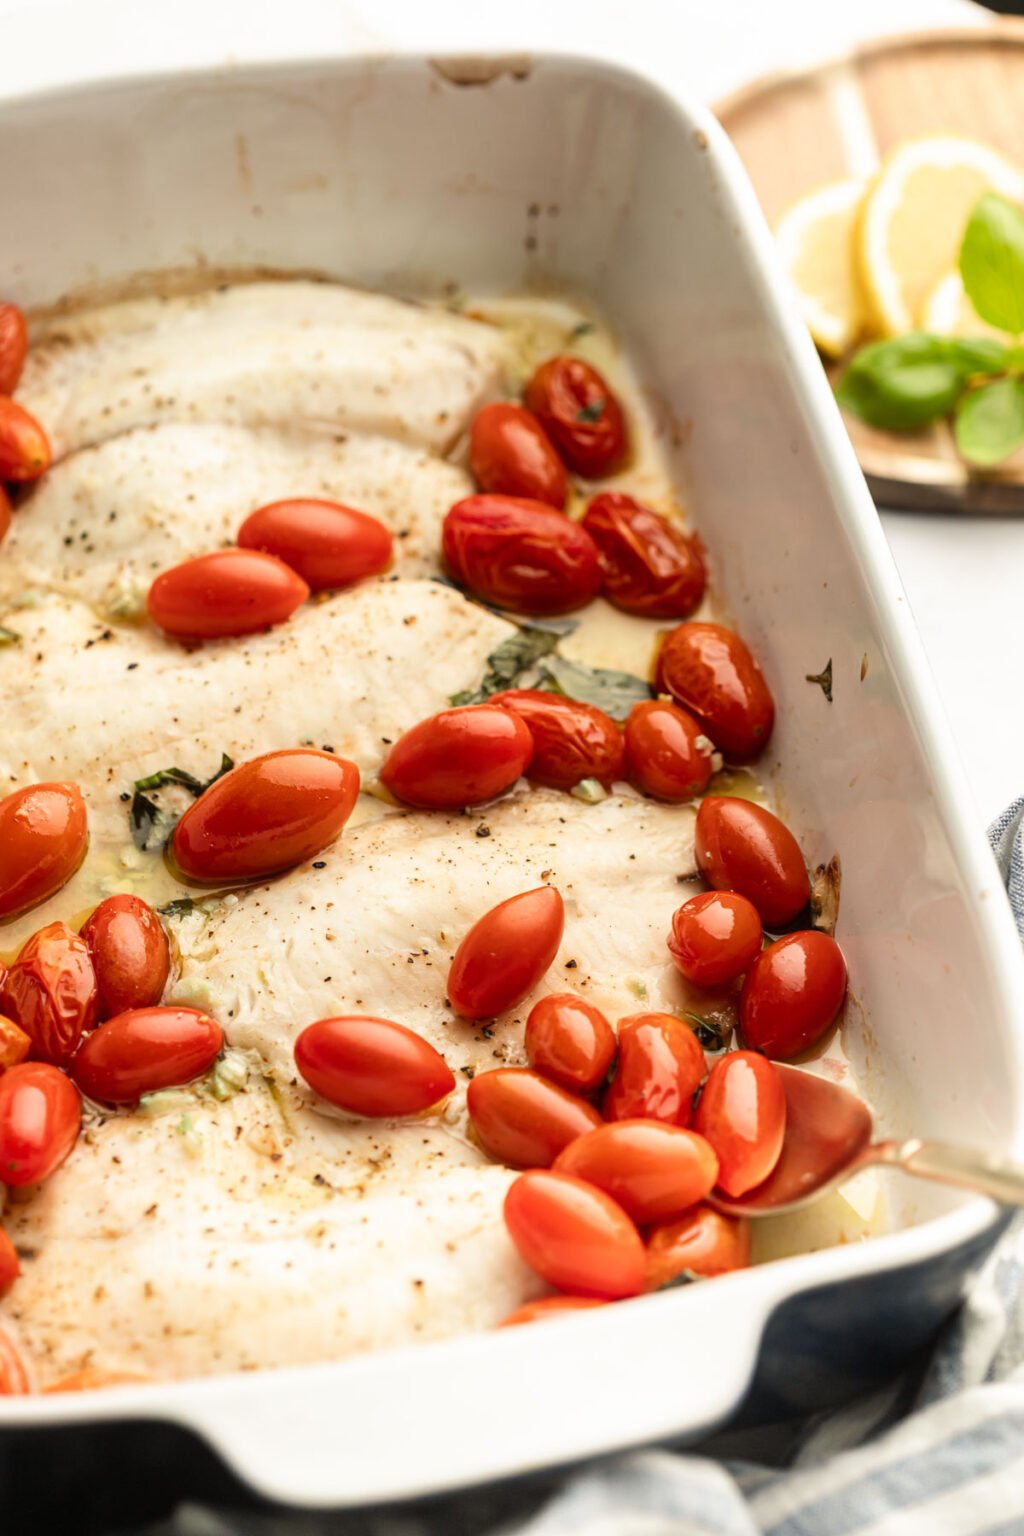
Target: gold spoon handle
{"type": "Point", "coordinates": [984, 1172]}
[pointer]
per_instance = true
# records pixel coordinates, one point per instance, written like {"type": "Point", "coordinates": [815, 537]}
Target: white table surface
{"type": "Point", "coordinates": [962, 575]}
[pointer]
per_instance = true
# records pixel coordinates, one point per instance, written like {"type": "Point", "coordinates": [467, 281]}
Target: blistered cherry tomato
{"type": "Point", "coordinates": [458, 757]}
{"type": "Point", "coordinates": [14, 1043]}
{"type": "Point", "coordinates": [13, 347]}
{"type": "Point", "coordinates": [580, 414]}
{"type": "Point", "coordinates": [523, 1120]}
{"type": "Point", "coordinates": [10, 1267]}
{"type": "Point", "coordinates": [520, 554]}
{"type": "Point", "coordinates": [267, 815]}
{"type": "Point", "coordinates": [742, 847]}
{"type": "Point", "coordinates": [144, 1050]}
{"type": "Point", "coordinates": [574, 1235]}
{"type": "Point", "coordinates": [506, 952]}
{"type": "Point", "coordinates": [548, 1306]}
{"type": "Point", "coordinates": [650, 566]}
{"type": "Point", "coordinates": [50, 992]}
{"type": "Point", "coordinates": [715, 937]}
{"type": "Point", "coordinates": [570, 1041]}
{"type": "Point", "coordinates": [40, 1117]}
{"type": "Point", "coordinates": [703, 1241]}
{"type": "Point", "coordinates": [653, 1170]}
{"type": "Point", "coordinates": [327, 543]}
{"type": "Point", "coordinates": [44, 832]}
{"type": "Point", "coordinates": [25, 451]}
{"type": "Point", "coordinates": [571, 740]}
{"type": "Point", "coordinates": [14, 1380]}
{"type": "Point", "coordinates": [130, 954]}
{"type": "Point", "coordinates": [792, 994]}
{"type": "Point", "coordinates": [6, 513]}
{"type": "Point", "coordinates": [372, 1066]}
{"type": "Point", "coordinates": [509, 452]}
{"type": "Point", "coordinates": [90, 1379]}
{"type": "Point", "coordinates": [742, 1112]}
{"type": "Point", "coordinates": [229, 592]}
{"type": "Point", "coordinates": [660, 1068]}
{"type": "Point", "coordinates": [708, 669]}
{"type": "Point", "coordinates": [668, 756]}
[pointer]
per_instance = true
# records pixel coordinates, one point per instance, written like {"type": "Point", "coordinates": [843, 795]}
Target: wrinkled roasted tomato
{"type": "Point", "coordinates": [572, 741]}
{"type": "Point", "coordinates": [520, 554]}
{"type": "Point", "coordinates": [580, 413]}
{"type": "Point", "coordinates": [51, 992]}
{"type": "Point", "coordinates": [650, 566]}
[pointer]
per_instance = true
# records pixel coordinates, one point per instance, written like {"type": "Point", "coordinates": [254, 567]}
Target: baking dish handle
{"type": "Point", "coordinates": [367, 1431]}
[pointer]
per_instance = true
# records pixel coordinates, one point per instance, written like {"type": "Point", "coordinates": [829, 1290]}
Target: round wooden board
{"type": "Point", "coordinates": [796, 132]}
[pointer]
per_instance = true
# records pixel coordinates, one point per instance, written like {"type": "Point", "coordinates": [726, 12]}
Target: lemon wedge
{"type": "Point", "coordinates": [947, 311]}
{"type": "Point", "coordinates": [913, 217]}
{"type": "Point", "coordinates": [815, 241]}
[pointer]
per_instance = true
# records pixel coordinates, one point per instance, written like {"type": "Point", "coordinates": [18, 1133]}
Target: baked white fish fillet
{"type": "Point", "coordinates": [375, 930]}
{"type": "Point", "coordinates": [105, 521]}
{"type": "Point", "coordinates": [227, 1236]}
{"type": "Point", "coordinates": [269, 1230]}
{"type": "Point", "coordinates": [282, 353]}
{"type": "Point", "coordinates": [104, 705]}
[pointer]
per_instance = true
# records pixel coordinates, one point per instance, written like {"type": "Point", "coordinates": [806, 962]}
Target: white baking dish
{"type": "Point", "coordinates": [568, 174]}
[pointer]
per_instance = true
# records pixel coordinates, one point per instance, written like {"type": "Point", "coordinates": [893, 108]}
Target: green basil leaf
{"type": "Point", "coordinates": [990, 422]}
{"type": "Point", "coordinates": [992, 262]}
{"type": "Point", "coordinates": [513, 657]}
{"type": "Point", "coordinates": [614, 692]}
{"type": "Point", "coordinates": [902, 384]}
{"type": "Point", "coordinates": [978, 355]}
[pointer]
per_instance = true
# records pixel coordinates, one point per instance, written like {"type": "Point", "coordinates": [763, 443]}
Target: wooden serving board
{"type": "Point", "coordinates": [796, 132]}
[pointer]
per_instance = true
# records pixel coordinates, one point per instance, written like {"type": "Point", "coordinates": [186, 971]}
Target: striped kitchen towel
{"type": "Point", "coordinates": [938, 1457]}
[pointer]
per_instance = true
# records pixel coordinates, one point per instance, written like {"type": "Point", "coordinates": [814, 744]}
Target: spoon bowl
{"type": "Point", "coordinates": [829, 1139]}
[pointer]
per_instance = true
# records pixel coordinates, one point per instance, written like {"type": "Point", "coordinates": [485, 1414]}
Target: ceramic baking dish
{"type": "Point", "coordinates": [553, 172]}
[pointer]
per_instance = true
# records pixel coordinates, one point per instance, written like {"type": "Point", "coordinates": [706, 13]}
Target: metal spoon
{"type": "Point", "coordinates": [828, 1140]}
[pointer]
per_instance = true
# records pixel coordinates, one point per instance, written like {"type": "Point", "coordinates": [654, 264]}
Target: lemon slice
{"type": "Point", "coordinates": [947, 311]}
{"type": "Point", "coordinates": [913, 217]}
{"type": "Point", "coordinates": [815, 240]}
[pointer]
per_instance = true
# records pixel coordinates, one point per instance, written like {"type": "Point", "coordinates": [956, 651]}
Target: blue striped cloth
{"type": "Point", "coordinates": [938, 1457]}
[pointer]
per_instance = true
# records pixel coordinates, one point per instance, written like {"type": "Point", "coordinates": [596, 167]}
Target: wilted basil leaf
{"type": "Point", "coordinates": [513, 657]}
{"type": "Point", "coordinates": [614, 692]}
{"type": "Point", "coordinates": [8, 636]}
{"type": "Point", "coordinates": [151, 824]}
